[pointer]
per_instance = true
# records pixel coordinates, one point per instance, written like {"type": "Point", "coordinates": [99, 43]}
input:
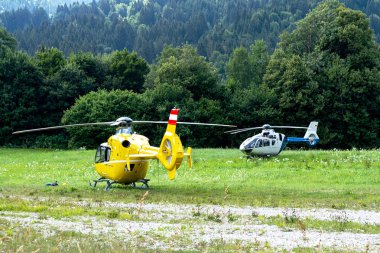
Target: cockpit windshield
{"type": "Point", "coordinates": [124, 130]}
{"type": "Point", "coordinates": [251, 143]}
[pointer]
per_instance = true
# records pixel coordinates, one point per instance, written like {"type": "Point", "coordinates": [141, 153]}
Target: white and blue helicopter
{"type": "Point", "coordinates": [270, 143]}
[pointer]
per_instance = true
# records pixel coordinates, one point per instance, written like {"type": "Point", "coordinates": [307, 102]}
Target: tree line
{"type": "Point", "coordinates": [214, 27]}
{"type": "Point", "coordinates": [325, 69]}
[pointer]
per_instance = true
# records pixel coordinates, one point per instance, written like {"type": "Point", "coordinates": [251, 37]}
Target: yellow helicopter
{"type": "Point", "coordinates": [124, 159]}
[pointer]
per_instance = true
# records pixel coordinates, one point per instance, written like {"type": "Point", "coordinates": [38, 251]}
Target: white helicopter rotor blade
{"type": "Point", "coordinates": [292, 127]}
{"type": "Point", "coordinates": [236, 131]}
{"type": "Point", "coordinates": [60, 127]}
{"type": "Point", "coordinates": [242, 130]}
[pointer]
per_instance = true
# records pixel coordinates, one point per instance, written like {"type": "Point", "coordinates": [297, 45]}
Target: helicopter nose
{"type": "Point", "coordinates": [246, 149]}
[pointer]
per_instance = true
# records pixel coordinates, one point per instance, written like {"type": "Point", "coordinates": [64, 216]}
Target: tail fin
{"type": "Point", "coordinates": [311, 138]}
{"type": "Point", "coordinates": [171, 151]}
{"type": "Point", "coordinates": [311, 133]}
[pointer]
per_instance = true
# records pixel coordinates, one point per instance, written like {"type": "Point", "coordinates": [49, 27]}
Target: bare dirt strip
{"type": "Point", "coordinates": [196, 225]}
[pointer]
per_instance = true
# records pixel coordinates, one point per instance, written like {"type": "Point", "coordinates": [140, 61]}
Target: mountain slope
{"type": "Point", "coordinates": [49, 5]}
{"type": "Point", "coordinates": [215, 27]}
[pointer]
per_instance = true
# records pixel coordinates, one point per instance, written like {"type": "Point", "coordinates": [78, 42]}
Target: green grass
{"type": "Point", "coordinates": [313, 179]}
{"type": "Point", "coordinates": [331, 179]}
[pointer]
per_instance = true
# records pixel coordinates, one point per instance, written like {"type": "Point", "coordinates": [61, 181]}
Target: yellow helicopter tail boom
{"type": "Point", "coordinates": [171, 151]}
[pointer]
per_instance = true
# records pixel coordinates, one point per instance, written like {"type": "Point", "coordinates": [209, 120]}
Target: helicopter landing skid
{"type": "Point", "coordinates": [144, 184]}
{"type": "Point", "coordinates": [102, 179]}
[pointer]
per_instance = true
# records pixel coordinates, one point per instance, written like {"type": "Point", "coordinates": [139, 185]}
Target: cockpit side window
{"type": "Point", "coordinates": [259, 143]}
{"type": "Point", "coordinates": [108, 154]}
{"type": "Point", "coordinates": [102, 154]}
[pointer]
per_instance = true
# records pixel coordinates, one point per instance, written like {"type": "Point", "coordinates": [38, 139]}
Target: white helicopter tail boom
{"type": "Point", "coordinates": [311, 138]}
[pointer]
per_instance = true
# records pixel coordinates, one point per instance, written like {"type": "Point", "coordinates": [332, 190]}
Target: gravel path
{"type": "Point", "coordinates": [358, 216]}
{"type": "Point", "coordinates": [207, 224]}
{"type": "Point", "coordinates": [344, 215]}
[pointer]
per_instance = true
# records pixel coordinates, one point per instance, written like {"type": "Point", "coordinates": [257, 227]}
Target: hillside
{"type": "Point", "coordinates": [49, 5]}
{"type": "Point", "coordinates": [214, 27]}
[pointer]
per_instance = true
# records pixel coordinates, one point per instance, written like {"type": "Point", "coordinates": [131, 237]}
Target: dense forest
{"type": "Point", "coordinates": [325, 67]}
{"type": "Point", "coordinates": [213, 27]}
{"type": "Point", "coordinates": [50, 6]}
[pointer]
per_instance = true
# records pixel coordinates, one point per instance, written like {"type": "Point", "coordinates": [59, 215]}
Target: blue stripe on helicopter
{"type": "Point", "coordinates": [299, 139]}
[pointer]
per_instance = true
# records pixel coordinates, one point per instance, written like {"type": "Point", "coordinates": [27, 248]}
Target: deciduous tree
{"type": "Point", "coordinates": [328, 69]}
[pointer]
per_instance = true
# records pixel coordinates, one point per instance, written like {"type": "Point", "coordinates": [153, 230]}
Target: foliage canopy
{"type": "Point", "coordinates": [327, 69]}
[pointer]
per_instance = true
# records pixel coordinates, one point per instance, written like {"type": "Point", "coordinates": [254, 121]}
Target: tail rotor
{"type": "Point", "coordinates": [171, 151]}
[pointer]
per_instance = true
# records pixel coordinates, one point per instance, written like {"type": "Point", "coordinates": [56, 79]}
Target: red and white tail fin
{"type": "Point", "coordinates": [173, 116]}
{"type": "Point", "coordinates": [172, 122]}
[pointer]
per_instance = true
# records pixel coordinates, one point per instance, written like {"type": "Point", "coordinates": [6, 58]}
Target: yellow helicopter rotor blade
{"type": "Point", "coordinates": [181, 122]}
{"type": "Point", "coordinates": [61, 127]}
{"type": "Point", "coordinates": [112, 122]}
{"type": "Point", "coordinates": [205, 124]}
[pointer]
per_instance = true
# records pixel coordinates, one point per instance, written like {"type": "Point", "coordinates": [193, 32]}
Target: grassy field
{"type": "Point", "coordinates": [295, 179]}
{"type": "Point", "coordinates": [332, 179]}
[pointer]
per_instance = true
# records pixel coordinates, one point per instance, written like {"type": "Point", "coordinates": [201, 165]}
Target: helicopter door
{"type": "Point", "coordinates": [259, 143]}
{"type": "Point", "coordinates": [102, 154]}
{"type": "Point", "coordinates": [264, 147]}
